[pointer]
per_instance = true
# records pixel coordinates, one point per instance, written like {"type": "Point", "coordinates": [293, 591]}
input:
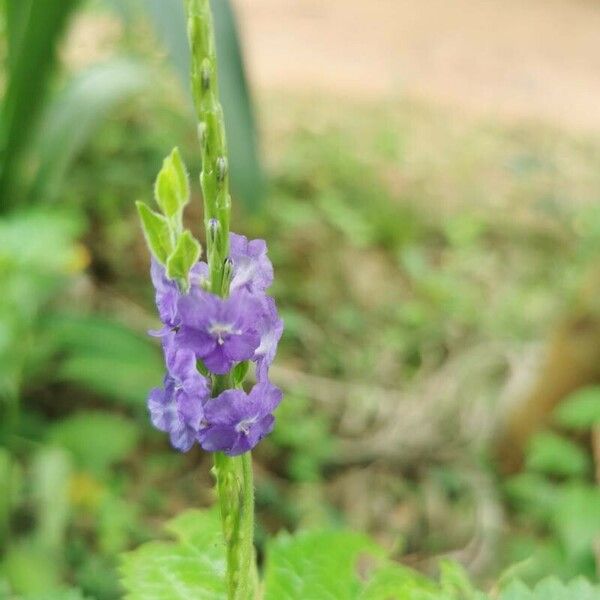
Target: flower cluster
{"type": "Point", "coordinates": [200, 328]}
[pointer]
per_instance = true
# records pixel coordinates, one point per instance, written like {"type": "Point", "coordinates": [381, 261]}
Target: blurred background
{"type": "Point", "coordinates": [427, 176]}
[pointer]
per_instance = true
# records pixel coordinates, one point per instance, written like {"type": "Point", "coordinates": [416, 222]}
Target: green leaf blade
{"type": "Point", "coordinates": [193, 566]}
{"type": "Point", "coordinates": [172, 189]}
{"type": "Point", "coordinates": [323, 565]}
{"type": "Point", "coordinates": [157, 232]}
{"type": "Point", "coordinates": [580, 410]}
{"type": "Point", "coordinates": [184, 257]}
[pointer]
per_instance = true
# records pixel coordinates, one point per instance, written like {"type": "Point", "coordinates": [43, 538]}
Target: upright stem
{"type": "Point", "coordinates": [235, 486]}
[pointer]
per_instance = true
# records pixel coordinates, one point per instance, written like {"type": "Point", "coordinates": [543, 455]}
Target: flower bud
{"type": "Point", "coordinates": [222, 168]}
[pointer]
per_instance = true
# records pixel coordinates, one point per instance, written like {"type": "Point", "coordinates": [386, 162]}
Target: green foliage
{"type": "Point", "coordinates": [157, 232]}
{"type": "Point", "coordinates": [559, 495]}
{"type": "Point", "coordinates": [324, 565]}
{"type": "Point", "coordinates": [60, 594]}
{"type": "Point", "coordinates": [85, 435]}
{"type": "Point", "coordinates": [552, 589]}
{"type": "Point", "coordinates": [193, 566]}
{"type": "Point", "coordinates": [172, 188]}
{"type": "Point", "coordinates": [50, 477]}
{"type": "Point", "coordinates": [306, 435]}
{"type": "Point", "coordinates": [42, 135]}
{"type": "Point", "coordinates": [553, 454]}
{"type": "Point", "coordinates": [34, 29]}
{"type": "Point", "coordinates": [103, 356]}
{"type": "Point", "coordinates": [580, 410]}
{"type": "Point", "coordinates": [316, 565]}
{"type": "Point", "coordinates": [184, 256]}
{"type": "Point", "coordinates": [30, 568]}
{"type": "Point", "coordinates": [576, 521]}
{"type": "Point", "coordinates": [395, 582]}
{"type": "Point", "coordinates": [239, 372]}
{"type": "Point", "coordinates": [30, 276]}
{"type": "Point", "coordinates": [74, 115]}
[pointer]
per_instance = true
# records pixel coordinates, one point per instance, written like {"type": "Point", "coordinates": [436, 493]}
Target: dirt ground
{"type": "Point", "coordinates": [535, 59]}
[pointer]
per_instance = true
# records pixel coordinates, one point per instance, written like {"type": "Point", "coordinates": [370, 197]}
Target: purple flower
{"type": "Point", "coordinates": [270, 329]}
{"type": "Point", "coordinates": [173, 411]}
{"type": "Point", "coordinates": [252, 269]}
{"type": "Point", "coordinates": [181, 366]}
{"type": "Point", "coordinates": [178, 407]}
{"type": "Point", "coordinates": [168, 293]}
{"type": "Point", "coordinates": [238, 421]}
{"type": "Point", "coordinates": [219, 331]}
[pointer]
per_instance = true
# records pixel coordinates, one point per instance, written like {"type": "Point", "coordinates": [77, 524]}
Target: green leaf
{"type": "Point", "coordinates": [323, 565]}
{"type": "Point", "coordinates": [576, 520]}
{"type": "Point", "coordinates": [59, 594]}
{"type": "Point", "coordinates": [396, 582]}
{"type": "Point", "coordinates": [73, 117]}
{"type": "Point", "coordinates": [172, 188]}
{"type": "Point", "coordinates": [104, 356]}
{"type": "Point", "coordinates": [31, 568]}
{"type": "Point", "coordinates": [454, 580]}
{"type": "Point", "coordinates": [84, 435]}
{"type": "Point", "coordinates": [239, 372]}
{"type": "Point", "coordinates": [186, 254]}
{"type": "Point", "coordinates": [552, 589]}
{"type": "Point", "coordinates": [192, 566]}
{"type": "Point", "coordinates": [555, 455]}
{"type": "Point", "coordinates": [157, 232]}
{"type": "Point", "coordinates": [51, 475]}
{"type": "Point", "coordinates": [580, 410]}
{"type": "Point", "coordinates": [35, 29]}
{"type": "Point", "coordinates": [168, 17]}
{"type": "Point", "coordinates": [7, 484]}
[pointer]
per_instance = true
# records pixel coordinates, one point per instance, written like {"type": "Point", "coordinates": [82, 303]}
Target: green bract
{"type": "Point", "coordinates": [157, 232]}
{"type": "Point", "coordinates": [172, 190]}
{"type": "Point", "coordinates": [186, 254]}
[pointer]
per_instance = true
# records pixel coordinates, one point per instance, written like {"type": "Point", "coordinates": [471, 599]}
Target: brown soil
{"type": "Point", "coordinates": [505, 58]}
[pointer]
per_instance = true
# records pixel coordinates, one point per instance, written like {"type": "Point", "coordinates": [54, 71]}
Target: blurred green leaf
{"type": "Point", "coordinates": [25, 238]}
{"type": "Point", "coordinates": [576, 521]}
{"type": "Point", "coordinates": [95, 439]}
{"type": "Point", "coordinates": [50, 479]}
{"type": "Point", "coordinates": [35, 27]}
{"type": "Point", "coordinates": [75, 114]}
{"type": "Point", "coordinates": [193, 566]}
{"type": "Point", "coordinates": [320, 564]}
{"type": "Point", "coordinates": [580, 410]}
{"type": "Point", "coordinates": [552, 589]}
{"type": "Point", "coordinates": [104, 356]}
{"type": "Point", "coordinates": [247, 180]}
{"type": "Point", "coordinates": [116, 520]}
{"type": "Point", "coordinates": [58, 594]}
{"type": "Point", "coordinates": [395, 582]}
{"type": "Point", "coordinates": [555, 455]}
{"type": "Point", "coordinates": [7, 496]}
{"type": "Point", "coordinates": [533, 493]}
{"type": "Point", "coordinates": [30, 568]}
{"type": "Point", "coordinates": [30, 274]}
{"type": "Point", "coordinates": [454, 580]}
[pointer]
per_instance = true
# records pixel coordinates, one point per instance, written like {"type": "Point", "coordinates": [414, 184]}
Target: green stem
{"type": "Point", "coordinates": [235, 487]}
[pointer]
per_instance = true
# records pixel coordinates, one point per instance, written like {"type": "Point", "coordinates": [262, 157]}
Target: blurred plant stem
{"type": "Point", "coordinates": [235, 488]}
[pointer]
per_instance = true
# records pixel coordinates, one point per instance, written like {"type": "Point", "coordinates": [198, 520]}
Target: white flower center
{"type": "Point", "coordinates": [244, 425]}
{"type": "Point", "coordinates": [221, 330]}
